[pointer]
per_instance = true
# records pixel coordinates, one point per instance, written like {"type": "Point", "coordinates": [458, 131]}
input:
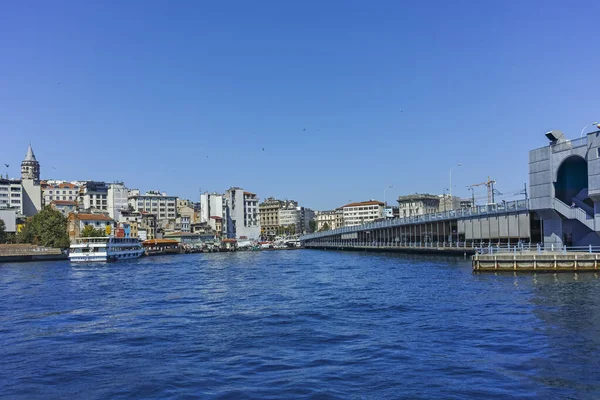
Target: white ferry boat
{"type": "Point", "coordinates": [104, 249]}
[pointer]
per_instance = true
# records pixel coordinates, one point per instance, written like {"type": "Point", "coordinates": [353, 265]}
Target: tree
{"type": "Point", "coordinates": [47, 228]}
{"type": "Point", "coordinates": [325, 227]}
{"type": "Point", "coordinates": [89, 231]}
{"type": "Point", "coordinates": [312, 226]}
{"type": "Point", "coordinates": [2, 231]}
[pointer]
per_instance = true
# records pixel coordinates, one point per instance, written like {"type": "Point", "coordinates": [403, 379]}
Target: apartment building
{"type": "Point", "coordinates": [159, 204]}
{"type": "Point", "coordinates": [418, 204]}
{"type": "Point", "coordinates": [362, 212]}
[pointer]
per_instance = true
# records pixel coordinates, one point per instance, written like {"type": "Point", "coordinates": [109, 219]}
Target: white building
{"type": "Point", "coordinates": [159, 204]}
{"type": "Point", "coordinates": [94, 196]}
{"type": "Point", "coordinates": [212, 207]}
{"type": "Point", "coordinates": [362, 212]}
{"type": "Point", "coordinates": [9, 216]}
{"type": "Point", "coordinates": [242, 215]}
{"type": "Point", "coordinates": [117, 199]}
{"type": "Point", "coordinates": [11, 195]}
{"type": "Point", "coordinates": [30, 182]}
{"type": "Point", "coordinates": [59, 190]}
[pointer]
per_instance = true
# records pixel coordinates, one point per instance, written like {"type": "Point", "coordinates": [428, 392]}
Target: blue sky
{"type": "Point", "coordinates": [345, 97]}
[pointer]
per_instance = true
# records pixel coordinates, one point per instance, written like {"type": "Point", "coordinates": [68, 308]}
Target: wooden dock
{"type": "Point", "coordinates": [532, 261]}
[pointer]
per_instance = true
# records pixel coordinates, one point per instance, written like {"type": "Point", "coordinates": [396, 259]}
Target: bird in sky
{"type": "Point", "coordinates": [6, 165]}
{"type": "Point", "coordinates": [304, 129]}
{"type": "Point", "coordinates": [263, 149]}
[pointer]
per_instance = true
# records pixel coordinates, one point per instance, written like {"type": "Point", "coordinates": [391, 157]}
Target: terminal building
{"type": "Point", "coordinates": [564, 180]}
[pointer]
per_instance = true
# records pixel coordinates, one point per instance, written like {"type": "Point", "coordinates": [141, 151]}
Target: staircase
{"type": "Point", "coordinates": [574, 213]}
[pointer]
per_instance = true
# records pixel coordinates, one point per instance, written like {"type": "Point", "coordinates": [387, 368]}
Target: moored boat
{"type": "Point", "coordinates": [103, 249]}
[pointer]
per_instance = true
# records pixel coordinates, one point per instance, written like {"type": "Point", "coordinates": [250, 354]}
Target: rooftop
{"type": "Point", "coordinates": [418, 196]}
{"type": "Point", "coordinates": [364, 203]}
{"type": "Point", "coordinates": [64, 202]}
{"type": "Point", "coordinates": [91, 217]}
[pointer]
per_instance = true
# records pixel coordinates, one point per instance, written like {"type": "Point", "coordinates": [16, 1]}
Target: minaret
{"type": "Point", "coordinates": [30, 167]}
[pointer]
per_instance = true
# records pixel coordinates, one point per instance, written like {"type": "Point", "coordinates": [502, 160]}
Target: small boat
{"type": "Point", "coordinates": [103, 249]}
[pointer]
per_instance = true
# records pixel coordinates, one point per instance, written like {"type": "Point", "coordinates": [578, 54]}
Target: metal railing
{"type": "Point", "coordinates": [574, 213]}
{"type": "Point", "coordinates": [512, 206]}
{"type": "Point", "coordinates": [570, 144]}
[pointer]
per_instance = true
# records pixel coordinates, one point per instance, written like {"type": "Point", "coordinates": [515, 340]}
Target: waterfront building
{"type": "Point", "coordinates": [242, 214]}
{"type": "Point", "coordinates": [269, 216]}
{"type": "Point", "coordinates": [418, 204]}
{"type": "Point", "coordinates": [30, 182]}
{"type": "Point", "coordinates": [288, 219]}
{"type": "Point", "coordinates": [117, 199]}
{"type": "Point", "coordinates": [65, 207]}
{"type": "Point", "coordinates": [76, 222]}
{"type": "Point", "coordinates": [145, 223]}
{"type": "Point", "coordinates": [362, 212]}
{"type": "Point", "coordinates": [564, 183]}
{"type": "Point", "coordinates": [185, 208]}
{"type": "Point", "coordinates": [59, 190]}
{"type": "Point", "coordinates": [159, 204]}
{"type": "Point", "coordinates": [11, 194]}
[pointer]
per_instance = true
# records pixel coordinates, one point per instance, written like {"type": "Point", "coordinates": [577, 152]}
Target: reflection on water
{"type": "Point", "coordinates": [292, 324]}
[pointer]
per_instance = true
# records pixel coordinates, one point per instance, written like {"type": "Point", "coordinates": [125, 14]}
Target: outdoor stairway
{"type": "Point", "coordinates": [574, 213]}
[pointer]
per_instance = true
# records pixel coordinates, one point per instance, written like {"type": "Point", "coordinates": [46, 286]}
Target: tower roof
{"type": "Point", "coordinates": [30, 156]}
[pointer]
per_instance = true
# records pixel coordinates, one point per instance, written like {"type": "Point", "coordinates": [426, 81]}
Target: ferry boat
{"type": "Point", "coordinates": [104, 249]}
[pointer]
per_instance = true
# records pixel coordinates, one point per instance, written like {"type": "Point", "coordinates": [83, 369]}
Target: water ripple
{"type": "Point", "coordinates": [296, 324]}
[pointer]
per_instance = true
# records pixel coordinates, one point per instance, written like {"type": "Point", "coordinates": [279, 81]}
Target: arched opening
{"type": "Point", "coordinates": [571, 179]}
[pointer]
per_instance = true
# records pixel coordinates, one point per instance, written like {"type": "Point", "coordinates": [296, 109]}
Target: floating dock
{"type": "Point", "coordinates": [532, 261]}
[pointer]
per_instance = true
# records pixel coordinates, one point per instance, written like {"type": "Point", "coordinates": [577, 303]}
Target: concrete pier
{"type": "Point", "coordinates": [531, 261]}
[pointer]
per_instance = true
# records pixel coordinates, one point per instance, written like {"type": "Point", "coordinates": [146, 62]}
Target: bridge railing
{"type": "Point", "coordinates": [511, 206]}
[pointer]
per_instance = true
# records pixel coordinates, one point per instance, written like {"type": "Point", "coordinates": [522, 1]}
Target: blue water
{"type": "Point", "coordinates": [295, 324]}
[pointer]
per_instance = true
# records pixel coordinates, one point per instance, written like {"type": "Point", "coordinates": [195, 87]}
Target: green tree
{"type": "Point", "coordinates": [89, 231]}
{"type": "Point", "coordinates": [2, 231]}
{"type": "Point", "coordinates": [325, 227]}
{"type": "Point", "coordinates": [312, 226]}
{"type": "Point", "coordinates": [47, 228]}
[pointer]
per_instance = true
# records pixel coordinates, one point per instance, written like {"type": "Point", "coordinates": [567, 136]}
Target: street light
{"type": "Point", "coordinates": [384, 190]}
{"type": "Point", "coordinates": [585, 127]}
{"type": "Point", "coordinates": [457, 165]}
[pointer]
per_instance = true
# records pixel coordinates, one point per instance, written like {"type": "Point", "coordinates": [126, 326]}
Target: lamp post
{"type": "Point", "coordinates": [457, 165]}
{"type": "Point", "coordinates": [585, 127]}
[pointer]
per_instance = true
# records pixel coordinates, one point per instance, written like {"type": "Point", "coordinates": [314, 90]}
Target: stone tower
{"type": "Point", "coordinates": [30, 167]}
{"type": "Point", "coordinates": [30, 183]}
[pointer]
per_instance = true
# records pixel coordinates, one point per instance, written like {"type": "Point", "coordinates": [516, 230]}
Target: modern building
{"type": "Point", "coordinates": [212, 209]}
{"type": "Point", "coordinates": [305, 216]}
{"type": "Point", "coordinates": [418, 204]}
{"type": "Point", "coordinates": [65, 207]}
{"type": "Point", "coordinates": [242, 214]}
{"type": "Point", "coordinates": [117, 199]}
{"type": "Point", "coordinates": [76, 222]}
{"type": "Point", "coordinates": [30, 182]}
{"type": "Point", "coordinates": [159, 204]}
{"type": "Point", "coordinates": [11, 194]}
{"type": "Point", "coordinates": [362, 212]}
{"type": "Point", "coordinates": [93, 196]}
{"type": "Point", "coordinates": [391, 212]}
{"type": "Point", "coordinates": [564, 183]}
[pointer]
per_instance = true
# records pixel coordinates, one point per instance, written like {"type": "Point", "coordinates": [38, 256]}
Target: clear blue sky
{"type": "Point", "coordinates": [179, 96]}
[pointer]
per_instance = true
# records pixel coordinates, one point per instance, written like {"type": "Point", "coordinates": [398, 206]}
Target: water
{"type": "Point", "coordinates": [295, 324]}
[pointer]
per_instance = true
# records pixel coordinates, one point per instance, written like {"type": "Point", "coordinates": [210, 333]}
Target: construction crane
{"type": "Point", "coordinates": [490, 189]}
